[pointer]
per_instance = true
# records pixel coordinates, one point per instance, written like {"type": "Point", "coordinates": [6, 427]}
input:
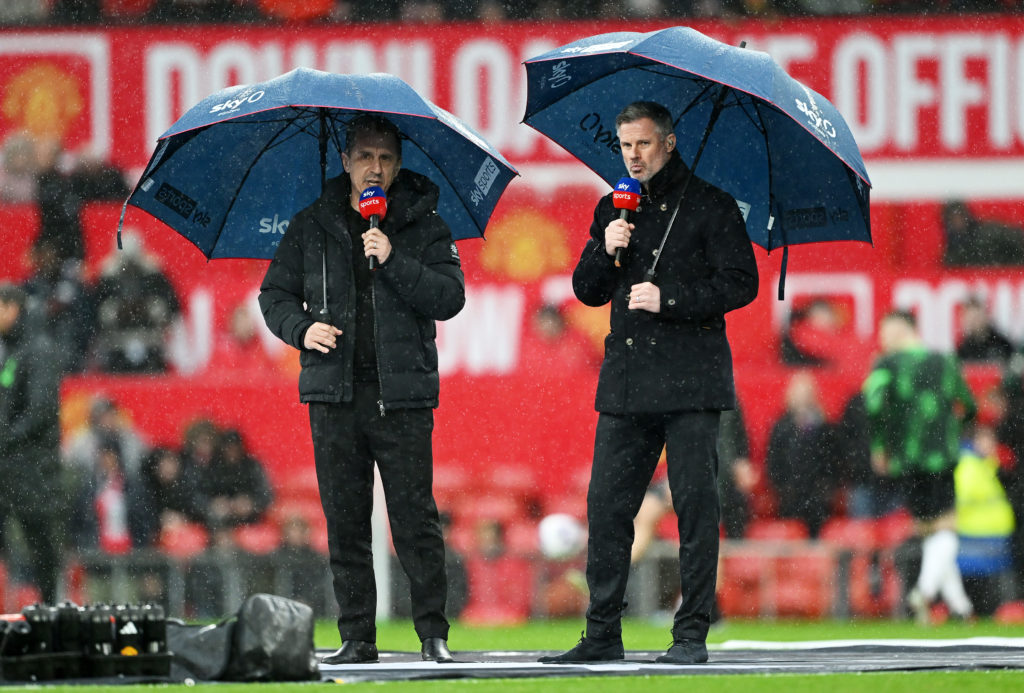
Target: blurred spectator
{"type": "Point", "coordinates": [64, 185]}
{"type": "Point", "coordinates": [60, 203]}
{"type": "Point", "coordinates": [489, 11]}
{"type": "Point", "coordinates": [421, 11]}
{"type": "Point", "coordinates": [29, 440]}
{"type": "Point", "coordinates": [979, 340]}
{"type": "Point", "coordinates": [19, 170]}
{"type": "Point", "coordinates": [240, 348]}
{"type": "Point", "coordinates": [234, 485]}
{"type": "Point", "coordinates": [867, 494]}
{"type": "Point", "coordinates": [972, 242]}
{"type": "Point", "coordinates": [832, 7]}
{"type": "Point", "coordinates": [305, 569]}
{"type": "Point", "coordinates": [59, 298]}
{"type": "Point", "coordinates": [204, 11]}
{"type": "Point", "coordinates": [737, 477]}
{"type": "Point", "coordinates": [105, 502]}
{"type": "Point", "coordinates": [985, 523]}
{"type": "Point", "coordinates": [135, 304]}
{"type": "Point", "coordinates": [96, 180]}
{"type": "Point", "coordinates": [169, 497]}
{"type": "Point", "coordinates": [14, 12]}
{"type": "Point", "coordinates": [76, 11]}
{"type": "Point", "coordinates": [106, 425]}
{"type": "Point", "coordinates": [199, 448]}
{"type": "Point", "coordinates": [800, 462]}
{"type": "Point", "coordinates": [819, 335]}
{"type": "Point", "coordinates": [549, 345]}
{"type": "Point", "coordinates": [125, 11]}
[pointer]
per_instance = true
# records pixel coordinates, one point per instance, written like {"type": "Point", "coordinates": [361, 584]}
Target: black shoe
{"type": "Point", "coordinates": [685, 652]}
{"type": "Point", "coordinates": [353, 652]}
{"type": "Point", "coordinates": [588, 650]}
{"type": "Point", "coordinates": [436, 650]}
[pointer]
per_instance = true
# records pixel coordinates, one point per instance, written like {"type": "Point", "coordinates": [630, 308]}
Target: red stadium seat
{"type": "Point", "coordinates": [259, 538]}
{"type": "Point", "coordinates": [183, 541]}
{"type": "Point", "coordinates": [850, 533]}
{"type": "Point", "coordinates": [575, 505]}
{"type": "Point", "coordinates": [739, 592]}
{"type": "Point", "coordinates": [473, 508]}
{"type": "Point", "coordinates": [804, 584]}
{"type": "Point", "coordinates": [451, 482]}
{"type": "Point", "coordinates": [894, 529]}
{"type": "Point", "coordinates": [500, 591]}
{"type": "Point", "coordinates": [521, 538]}
{"type": "Point", "coordinates": [299, 484]}
{"type": "Point", "coordinates": [777, 529]}
{"type": "Point", "coordinates": [518, 481]}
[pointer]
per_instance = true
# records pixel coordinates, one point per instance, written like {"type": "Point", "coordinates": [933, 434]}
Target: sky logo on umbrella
{"type": "Point", "coordinates": [485, 178]}
{"type": "Point", "coordinates": [820, 124]}
{"type": "Point", "coordinates": [231, 105]}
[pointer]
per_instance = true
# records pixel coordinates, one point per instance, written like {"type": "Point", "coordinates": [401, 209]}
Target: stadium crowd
{"type": "Point", "coordinates": [21, 12]}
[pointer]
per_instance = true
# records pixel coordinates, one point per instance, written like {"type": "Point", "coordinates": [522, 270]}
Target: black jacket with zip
{"type": "Point", "coordinates": [421, 282]}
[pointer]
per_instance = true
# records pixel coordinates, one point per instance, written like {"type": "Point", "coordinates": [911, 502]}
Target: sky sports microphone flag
{"type": "Point", "coordinates": [626, 198]}
{"type": "Point", "coordinates": [235, 168]}
{"type": "Point", "coordinates": [373, 205]}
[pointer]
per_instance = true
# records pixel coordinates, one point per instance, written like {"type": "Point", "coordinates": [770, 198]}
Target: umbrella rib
{"type": "Point", "coordinates": [768, 157]}
{"type": "Point", "coordinates": [241, 183]}
{"type": "Point", "coordinates": [700, 98]}
{"type": "Point", "coordinates": [451, 182]}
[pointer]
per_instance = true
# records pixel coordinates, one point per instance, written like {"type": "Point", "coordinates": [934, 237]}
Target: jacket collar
{"type": "Point", "coordinates": [410, 197]}
{"type": "Point", "coordinates": [669, 178]}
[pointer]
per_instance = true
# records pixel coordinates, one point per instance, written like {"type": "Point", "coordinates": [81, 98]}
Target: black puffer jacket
{"type": "Point", "coordinates": [421, 282]}
{"type": "Point", "coordinates": [678, 359]}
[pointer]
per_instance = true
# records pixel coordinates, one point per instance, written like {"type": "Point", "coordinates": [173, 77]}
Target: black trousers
{"type": "Point", "coordinates": [626, 452]}
{"type": "Point", "coordinates": [348, 439]}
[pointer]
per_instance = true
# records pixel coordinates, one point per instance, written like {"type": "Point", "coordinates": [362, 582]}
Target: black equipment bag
{"type": "Point", "coordinates": [269, 639]}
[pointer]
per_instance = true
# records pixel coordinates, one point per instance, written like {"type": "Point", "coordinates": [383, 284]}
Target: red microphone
{"type": "Point", "coordinates": [626, 199]}
{"type": "Point", "coordinates": [373, 205]}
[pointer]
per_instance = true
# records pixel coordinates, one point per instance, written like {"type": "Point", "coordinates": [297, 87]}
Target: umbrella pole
{"type": "Point", "coordinates": [716, 110]}
{"type": "Point", "coordinates": [325, 315]}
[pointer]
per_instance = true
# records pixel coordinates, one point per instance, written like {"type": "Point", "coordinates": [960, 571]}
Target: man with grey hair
{"type": "Point", "coordinates": [29, 438]}
{"type": "Point", "coordinates": [666, 375]}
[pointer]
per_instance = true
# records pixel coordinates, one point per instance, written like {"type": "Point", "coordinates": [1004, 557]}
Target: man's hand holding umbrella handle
{"type": "Point", "coordinates": [321, 336]}
{"type": "Point", "coordinates": [645, 296]}
{"type": "Point", "coordinates": [376, 244]}
{"type": "Point", "coordinates": [616, 235]}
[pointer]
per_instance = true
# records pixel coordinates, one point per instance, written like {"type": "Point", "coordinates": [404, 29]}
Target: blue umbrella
{"type": "Point", "coordinates": [779, 148]}
{"type": "Point", "coordinates": [231, 172]}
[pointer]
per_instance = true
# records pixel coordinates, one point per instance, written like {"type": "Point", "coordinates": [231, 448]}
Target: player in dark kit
{"type": "Point", "coordinates": [916, 400]}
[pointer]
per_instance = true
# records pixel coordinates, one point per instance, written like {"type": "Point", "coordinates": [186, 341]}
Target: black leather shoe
{"type": "Point", "coordinates": [436, 650]}
{"type": "Point", "coordinates": [589, 650]}
{"type": "Point", "coordinates": [353, 652]}
{"type": "Point", "coordinates": [685, 652]}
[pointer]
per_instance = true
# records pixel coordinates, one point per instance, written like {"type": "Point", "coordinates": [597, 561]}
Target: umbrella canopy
{"type": "Point", "coordinates": [780, 149]}
{"type": "Point", "coordinates": [231, 172]}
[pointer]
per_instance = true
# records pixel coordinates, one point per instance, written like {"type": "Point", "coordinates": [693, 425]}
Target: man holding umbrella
{"type": "Point", "coordinates": [666, 375]}
{"type": "Point", "coordinates": [369, 372]}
